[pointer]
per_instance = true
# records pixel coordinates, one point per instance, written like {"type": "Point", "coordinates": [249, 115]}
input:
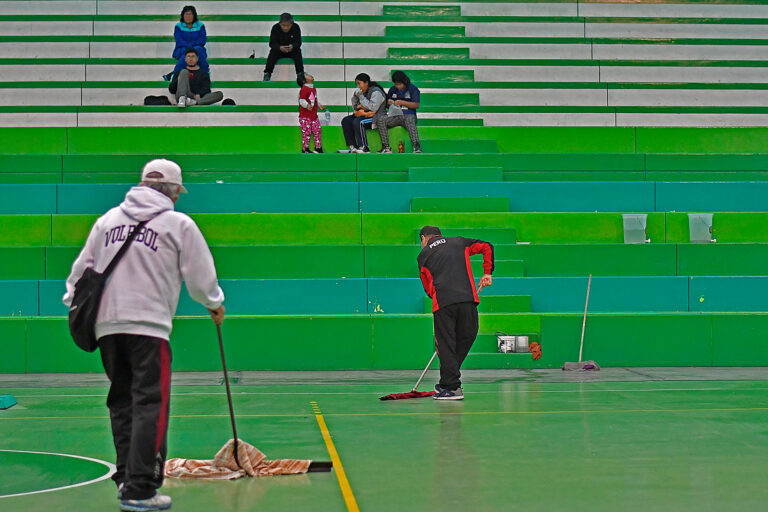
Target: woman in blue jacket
{"type": "Point", "coordinates": [189, 33]}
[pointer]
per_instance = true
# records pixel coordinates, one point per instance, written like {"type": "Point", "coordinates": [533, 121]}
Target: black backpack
{"type": "Point", "coordinates": [88, 291]}
{"type": "Point", "coordinates": [157, 100]}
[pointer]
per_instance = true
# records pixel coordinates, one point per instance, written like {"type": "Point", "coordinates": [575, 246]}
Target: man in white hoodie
{"type": "Point", "coordinates": [134, 321]}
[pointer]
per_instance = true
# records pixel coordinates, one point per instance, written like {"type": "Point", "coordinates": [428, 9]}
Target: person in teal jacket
{"type": "Point", "coordinates": [189, 32]}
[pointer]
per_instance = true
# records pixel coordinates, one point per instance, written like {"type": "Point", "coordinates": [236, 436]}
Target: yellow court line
{"type": "Point", "coordinates": [341, 476]}
{"type": "Point", "coordinates": [436, 413]}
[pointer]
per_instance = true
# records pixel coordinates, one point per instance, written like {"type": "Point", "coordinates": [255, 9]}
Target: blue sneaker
{"type": "Point", "coordinates": [447, 394]}
{"type": "Point", "coordinates": [156, 502]}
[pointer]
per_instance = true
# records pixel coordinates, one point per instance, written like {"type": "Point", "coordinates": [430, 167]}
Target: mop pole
{"type": "Point", "coordinates": [229, 395]}
{"type": "Point", "coordinates": [584, 321]}
{"type": "Point", "coordinates": [424, 372]}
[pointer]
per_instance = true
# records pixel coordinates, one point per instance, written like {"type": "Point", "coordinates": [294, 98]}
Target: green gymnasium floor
{"type": "Point", "coordinates": [645, 439]}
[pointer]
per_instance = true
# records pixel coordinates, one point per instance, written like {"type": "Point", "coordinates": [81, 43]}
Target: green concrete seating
{"type": "Point", "coordinates": [398, 261]}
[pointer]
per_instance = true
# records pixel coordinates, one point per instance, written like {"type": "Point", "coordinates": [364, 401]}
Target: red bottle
{"type": "Point", "coordinates": [401, 147]}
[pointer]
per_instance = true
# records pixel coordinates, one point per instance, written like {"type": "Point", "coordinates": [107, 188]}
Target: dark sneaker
{"type": "Point", "coordinates": [305, 150]}
{"type": "Point", "coordinates": [168, 77]}
{"type": "Point", "coordinates": [267, 76]}
{"type": "Point", "coordinates": [384, 150]}
{"type": "Point", "coordinates": [318, 150]}
{"type": "Point", "coordinates": [156, 502]}
{"type": "Point", "coordinates": [438, 388]}
{"type": "Point", "coordinates": [447, 394]}
{"type": "Point", "coordinates": [417, 150]}
{"type": "Point", "coordinates": [364, 149]}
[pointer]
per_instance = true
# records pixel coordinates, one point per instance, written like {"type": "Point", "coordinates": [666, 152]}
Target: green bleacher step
{"type": "Point", "coordinates": [422, 31]}
{"type": "Point", "coordinates": [422, 10]}
{"type": "Point", "coordinates": [496, 304]}
{"type": "Point", "coordinates": [460, 204]}
{"type": "Point", "coordinates": [450, 100]}
{"type": "Point", "coordinates": [460, 146]}
{"type": "Point", "coordinates": [496, 236]}
{"type": "Point", "coordinates": [455, 174]}
{"type": "Point", "coordinates": [504, 268]}
{"type": "Point", "coordinates": [421, 76]}
{"type": "Point", "coordinates": [433, 54]}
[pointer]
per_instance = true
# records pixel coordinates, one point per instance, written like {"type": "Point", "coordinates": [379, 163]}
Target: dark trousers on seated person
{"type": "Point", "coordinates": [406, 120]}
{"type": "Point", "coordinates": [354, 130]}
{"type": "Point", "coordinates": [275, 55]}
{"type": "Point", "coordinates": [139, 369]}
{"type": "Point", "coordinates": [182, 89]}
{"type": "Point", "coordinates": [455, 331]}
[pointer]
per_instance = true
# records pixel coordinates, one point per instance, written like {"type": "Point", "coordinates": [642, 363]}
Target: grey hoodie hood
{"type": "Point", "coordinates": [143, 203]}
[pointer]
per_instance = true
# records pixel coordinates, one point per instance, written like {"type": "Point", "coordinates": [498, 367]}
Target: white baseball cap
{"type": "Point", "coordinates": [161, 170]}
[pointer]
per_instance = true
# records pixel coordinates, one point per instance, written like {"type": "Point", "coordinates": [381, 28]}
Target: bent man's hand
{"type": "Point", "coordinates": [486, 280]}
{"type": "Point", "coordinates": [217, 315]}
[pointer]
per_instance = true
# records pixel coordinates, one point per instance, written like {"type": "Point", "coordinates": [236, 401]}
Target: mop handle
{"type": "Point", "coordinates": [229, 395]}
{"type": "Point", "coordinates": [584, 321]}
{"type": "Point", "coordinates": [425, 371]}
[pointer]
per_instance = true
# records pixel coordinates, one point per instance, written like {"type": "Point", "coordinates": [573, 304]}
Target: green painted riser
{"type": "Point", "coordinates": [428, 54]}
{"type": "Point", "coordinates": [460, 204]}
{"type": "Point", "coordinates": [450, 99]}
{"type": "Point", "coordinates": [289, 262]}
{"type": "Point", "coordinates": [422, 10]}
{"type": "Point", "coordinates": [421, 31]}
{"type": "Point", "coordinates": [496, 304]}
{"type": "Point", "coordinates": [529, 139]}
{"type": "Point", "coordinates": [455, 174]}
{"type": "Point", "coordinates": [405, 341]}
{"type": "Point", "coordinates": [504, 268]}
{"type": "Point", "coordinates": [399, 228]}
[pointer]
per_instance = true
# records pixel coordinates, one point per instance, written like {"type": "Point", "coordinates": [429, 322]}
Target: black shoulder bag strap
{"type": "Point", "coordinates": [121, 252]}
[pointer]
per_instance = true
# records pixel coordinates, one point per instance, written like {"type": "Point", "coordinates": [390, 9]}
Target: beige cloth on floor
{"type": "Point", "coordinates": [223, 466]}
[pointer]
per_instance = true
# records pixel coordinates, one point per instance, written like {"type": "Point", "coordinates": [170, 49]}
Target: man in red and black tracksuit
{"type": "Point", "coordinates": [446, 274]}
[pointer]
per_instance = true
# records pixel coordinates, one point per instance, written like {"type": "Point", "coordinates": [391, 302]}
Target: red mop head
{"type": "Point", "coordinates": [410, 394]}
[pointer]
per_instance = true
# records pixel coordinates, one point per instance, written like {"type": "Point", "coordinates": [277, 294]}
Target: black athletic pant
{"type": "Point", "coordinates": [139, 368]}
{"type": "Point", "coordinates": [275, 55]}
{"type": "Point", "coordinates": [455, 332]}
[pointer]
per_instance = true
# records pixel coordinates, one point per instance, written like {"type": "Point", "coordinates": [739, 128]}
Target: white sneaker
{"type": "Point", "coordinates": [191, 101]}
{"type": "Point", "coordinates": [156, 502]}
{"type": "Point", "coordinates": [182, 102]}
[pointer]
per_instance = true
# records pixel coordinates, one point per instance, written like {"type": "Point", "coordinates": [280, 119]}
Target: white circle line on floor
{"type": "Point", "coordinates": [110, 471]}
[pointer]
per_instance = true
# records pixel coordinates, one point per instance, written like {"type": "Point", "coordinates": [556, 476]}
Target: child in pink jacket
{"type": "Point", "coordinates": [310, 125]}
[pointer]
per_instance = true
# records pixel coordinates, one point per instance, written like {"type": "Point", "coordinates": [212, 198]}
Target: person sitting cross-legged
{"type": "Point", "coordinates": [402, 99]}
{"type": "Point", "coordinates": [192, 85]}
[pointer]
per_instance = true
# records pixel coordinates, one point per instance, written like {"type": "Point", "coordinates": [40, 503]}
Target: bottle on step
{"type": "Point", "coordinates": [401, 147]}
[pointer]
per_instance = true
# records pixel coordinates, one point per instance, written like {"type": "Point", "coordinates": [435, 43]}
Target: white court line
{"type": "Point", "coordinates": [110, 467]}
{"type": "Point", "coordinates": [498, 392]}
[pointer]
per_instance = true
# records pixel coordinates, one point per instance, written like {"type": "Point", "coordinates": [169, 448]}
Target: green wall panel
{"type": "Point", "coordinates": [59, 260]}
{"type": "Point", "coordinates": [274, 343]}
{"type": "Point", "coordinates": [22, 263]}
{"type": "Point", "coordinates": [33, 140]}
{"type": "Point", "coordinates": [460, 204]}
{"type": "Point", "coordinates": [399, 228]}
{"type": "Point", "coordinates": [740, 340]}
{"type": "Point", "coordinates": [25, 230]}
{"type": "Point", "coordinates": [50, 349]}
{"type": "Point", "coordinates": [402, 341]}
{"type": "Point", "coordinates": [649, 340]}
{"type": "Point", "coordinates": [14, 357]}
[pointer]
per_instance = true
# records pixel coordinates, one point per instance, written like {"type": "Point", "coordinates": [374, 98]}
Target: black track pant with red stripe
{"type": "Point", "coordinates": [455, 331]}
{"type": "Point", "coordinates": [139, 368]}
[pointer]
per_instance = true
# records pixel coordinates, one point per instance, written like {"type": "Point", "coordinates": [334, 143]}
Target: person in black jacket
{"type": "Point", "coordinates": [284, 42]}
{"type": "Point", "coordinates": [192, 85]}
{"type": "Point", "coordinates": [447, 278]}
